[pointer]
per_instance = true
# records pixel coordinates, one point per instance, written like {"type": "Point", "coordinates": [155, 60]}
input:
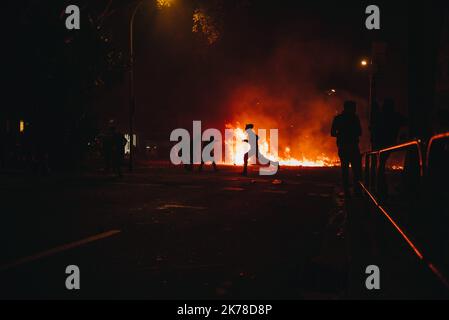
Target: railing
{"type": "Point", "coordinates": [417, 166]}
{"type": "Point", "coordinates": [374, 163]}
{"type": "Point", "coordinates": [432, 141]}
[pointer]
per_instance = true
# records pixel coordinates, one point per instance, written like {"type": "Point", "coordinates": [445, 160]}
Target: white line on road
{"type": "Point", "coordinates": [59, 249]}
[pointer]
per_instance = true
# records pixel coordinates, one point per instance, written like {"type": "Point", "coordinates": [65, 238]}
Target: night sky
{"type": "Point", "coordinates": [291, 51]}
{"type": "Point", "coordinates": [180, 77]}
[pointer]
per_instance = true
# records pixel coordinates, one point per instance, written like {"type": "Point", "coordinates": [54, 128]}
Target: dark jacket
{"type": "Point", "coordinates": [346, 128]}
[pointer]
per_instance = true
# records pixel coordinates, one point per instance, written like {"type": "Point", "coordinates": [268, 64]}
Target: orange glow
{"type": "Point", "coordinates": [237, 149]}
{"type": "Point", "coordinates": [415, 143]}
{"type": "Point", "coordinates": [302, 115]}
{"type": "Point", "coordinates": [205, 24]}
{"type": "Point", "coordinates": [164, 3]}
{"type": "Point", "coordinates": [22, 126]}
{"type": "Point", "coordinates": [429, 146]}
{"type": "Point", "coordinates": [397, 167]}
{"type": "Point", "coordinates": [364, 63]}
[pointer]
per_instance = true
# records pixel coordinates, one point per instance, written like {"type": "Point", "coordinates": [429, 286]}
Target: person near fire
{"type": "Point", "coordinates": [389, 124]}
{"type": "Point", "coordinates": [214, 165]}
{"type": "Point", "coordinates": [346, 128]}
{"type": "Point", "coordinates": [252, 136]}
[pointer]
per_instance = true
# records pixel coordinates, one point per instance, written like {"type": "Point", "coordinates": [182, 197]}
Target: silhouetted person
{"type": "Point", "coordinates": [118, 151]}
{"type": "Point", "coordinates": [346, 128]}
{"type": "Point", "coordinates": [389, 122]}
{"type": "Point", "coordinates": [211, 141]}
{"type": "Point", "coordinates": [250, 127]}
{"type": "Point", "coordinates": [107, 150]}
{"type": "Point", "coordinates": [375, 126]}
{"type": "Point", "coordinates": [189, 166]}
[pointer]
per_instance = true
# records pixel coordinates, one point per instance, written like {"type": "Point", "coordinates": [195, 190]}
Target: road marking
{"type": "Point", "coordinates": [179, 206]}
{"type": "Point", "coordinates": [233, 189]}
{"type": "Point", "coordinates": [276, 191]}
{"type": "Point", "coordinates": [59, 249]}
{"type": "Point", "coordinates": [138, 184]}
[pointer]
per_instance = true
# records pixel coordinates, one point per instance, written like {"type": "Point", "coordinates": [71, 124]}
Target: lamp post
{"type": "Point", "coordinates": [368, 64]}
{"type": "Point", "coordinates": [132, 98]}
{"type": "Point", "coordinates": [365, 63]}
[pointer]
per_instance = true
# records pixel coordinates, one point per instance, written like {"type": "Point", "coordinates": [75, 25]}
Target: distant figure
{"type": "Point", "coordinates": [189, 166]}
{"type": "Point", "coordinates": [119, 143]}
{"type": "Point", "coordinates": [250, 131]}
{"type": "Point", "coordinates": [374, 125]}
{"type": "Point", "coordinates": [114, 147]}
{"type": "Point", "coordinates": [211, 141]}
{"type": "Point", "coordinates": [389, 122]}
{"type": "Point", "coordinates": [346, 128]}
{"type": "Point", "coordinates": [107, 150]}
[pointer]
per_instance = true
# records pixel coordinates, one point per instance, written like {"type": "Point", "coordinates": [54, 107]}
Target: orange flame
{"type": "Point", "coordinates": [236, 149]}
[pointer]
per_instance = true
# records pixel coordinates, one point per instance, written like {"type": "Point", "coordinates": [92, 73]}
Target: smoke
{"type": "Point", "coordinates": [292, 91]}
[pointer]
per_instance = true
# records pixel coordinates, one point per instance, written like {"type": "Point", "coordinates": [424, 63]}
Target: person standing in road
{"type": "Point", "coordinates": [346, 128]}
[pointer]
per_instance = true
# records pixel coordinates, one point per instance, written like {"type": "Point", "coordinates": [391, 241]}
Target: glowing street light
{"type": "Point", "coordinates": [370, 66]}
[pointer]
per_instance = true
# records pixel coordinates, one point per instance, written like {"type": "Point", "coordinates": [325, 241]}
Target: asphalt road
{"type": "Point", "coordinates": [162, 232]}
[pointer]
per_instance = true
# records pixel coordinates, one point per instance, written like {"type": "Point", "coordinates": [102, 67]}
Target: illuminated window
{"type": "Point", "coordinates": [21, 126]}
{"type": "Point", "coordinates": [127, 137]}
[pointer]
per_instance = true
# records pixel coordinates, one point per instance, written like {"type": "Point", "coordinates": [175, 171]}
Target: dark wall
{"type": "Point", "coordinates": [426, 22]}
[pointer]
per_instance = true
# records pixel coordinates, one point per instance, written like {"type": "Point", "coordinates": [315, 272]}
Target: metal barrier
{"type": "Point", "coordinates": [430, 145]}
{"type": "Point", "coordinates": [374, 173]}
{"type": "Point", "coordinates": [373, 163]}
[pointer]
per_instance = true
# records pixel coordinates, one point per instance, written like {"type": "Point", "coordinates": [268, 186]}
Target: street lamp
{"type": "Point", "coordinates": [365, 63]}
{"type": "Point", "coordinates": [368, 64]}
{"type": "Point", "coordinates": [132, 100]}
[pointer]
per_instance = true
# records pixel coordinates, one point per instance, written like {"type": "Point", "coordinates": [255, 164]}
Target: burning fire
{"type": "Point", "coordinates": [237, 148]}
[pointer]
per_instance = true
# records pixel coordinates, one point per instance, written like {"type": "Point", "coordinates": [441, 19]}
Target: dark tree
{"type": "Point", "coordinates": [55, 73]}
